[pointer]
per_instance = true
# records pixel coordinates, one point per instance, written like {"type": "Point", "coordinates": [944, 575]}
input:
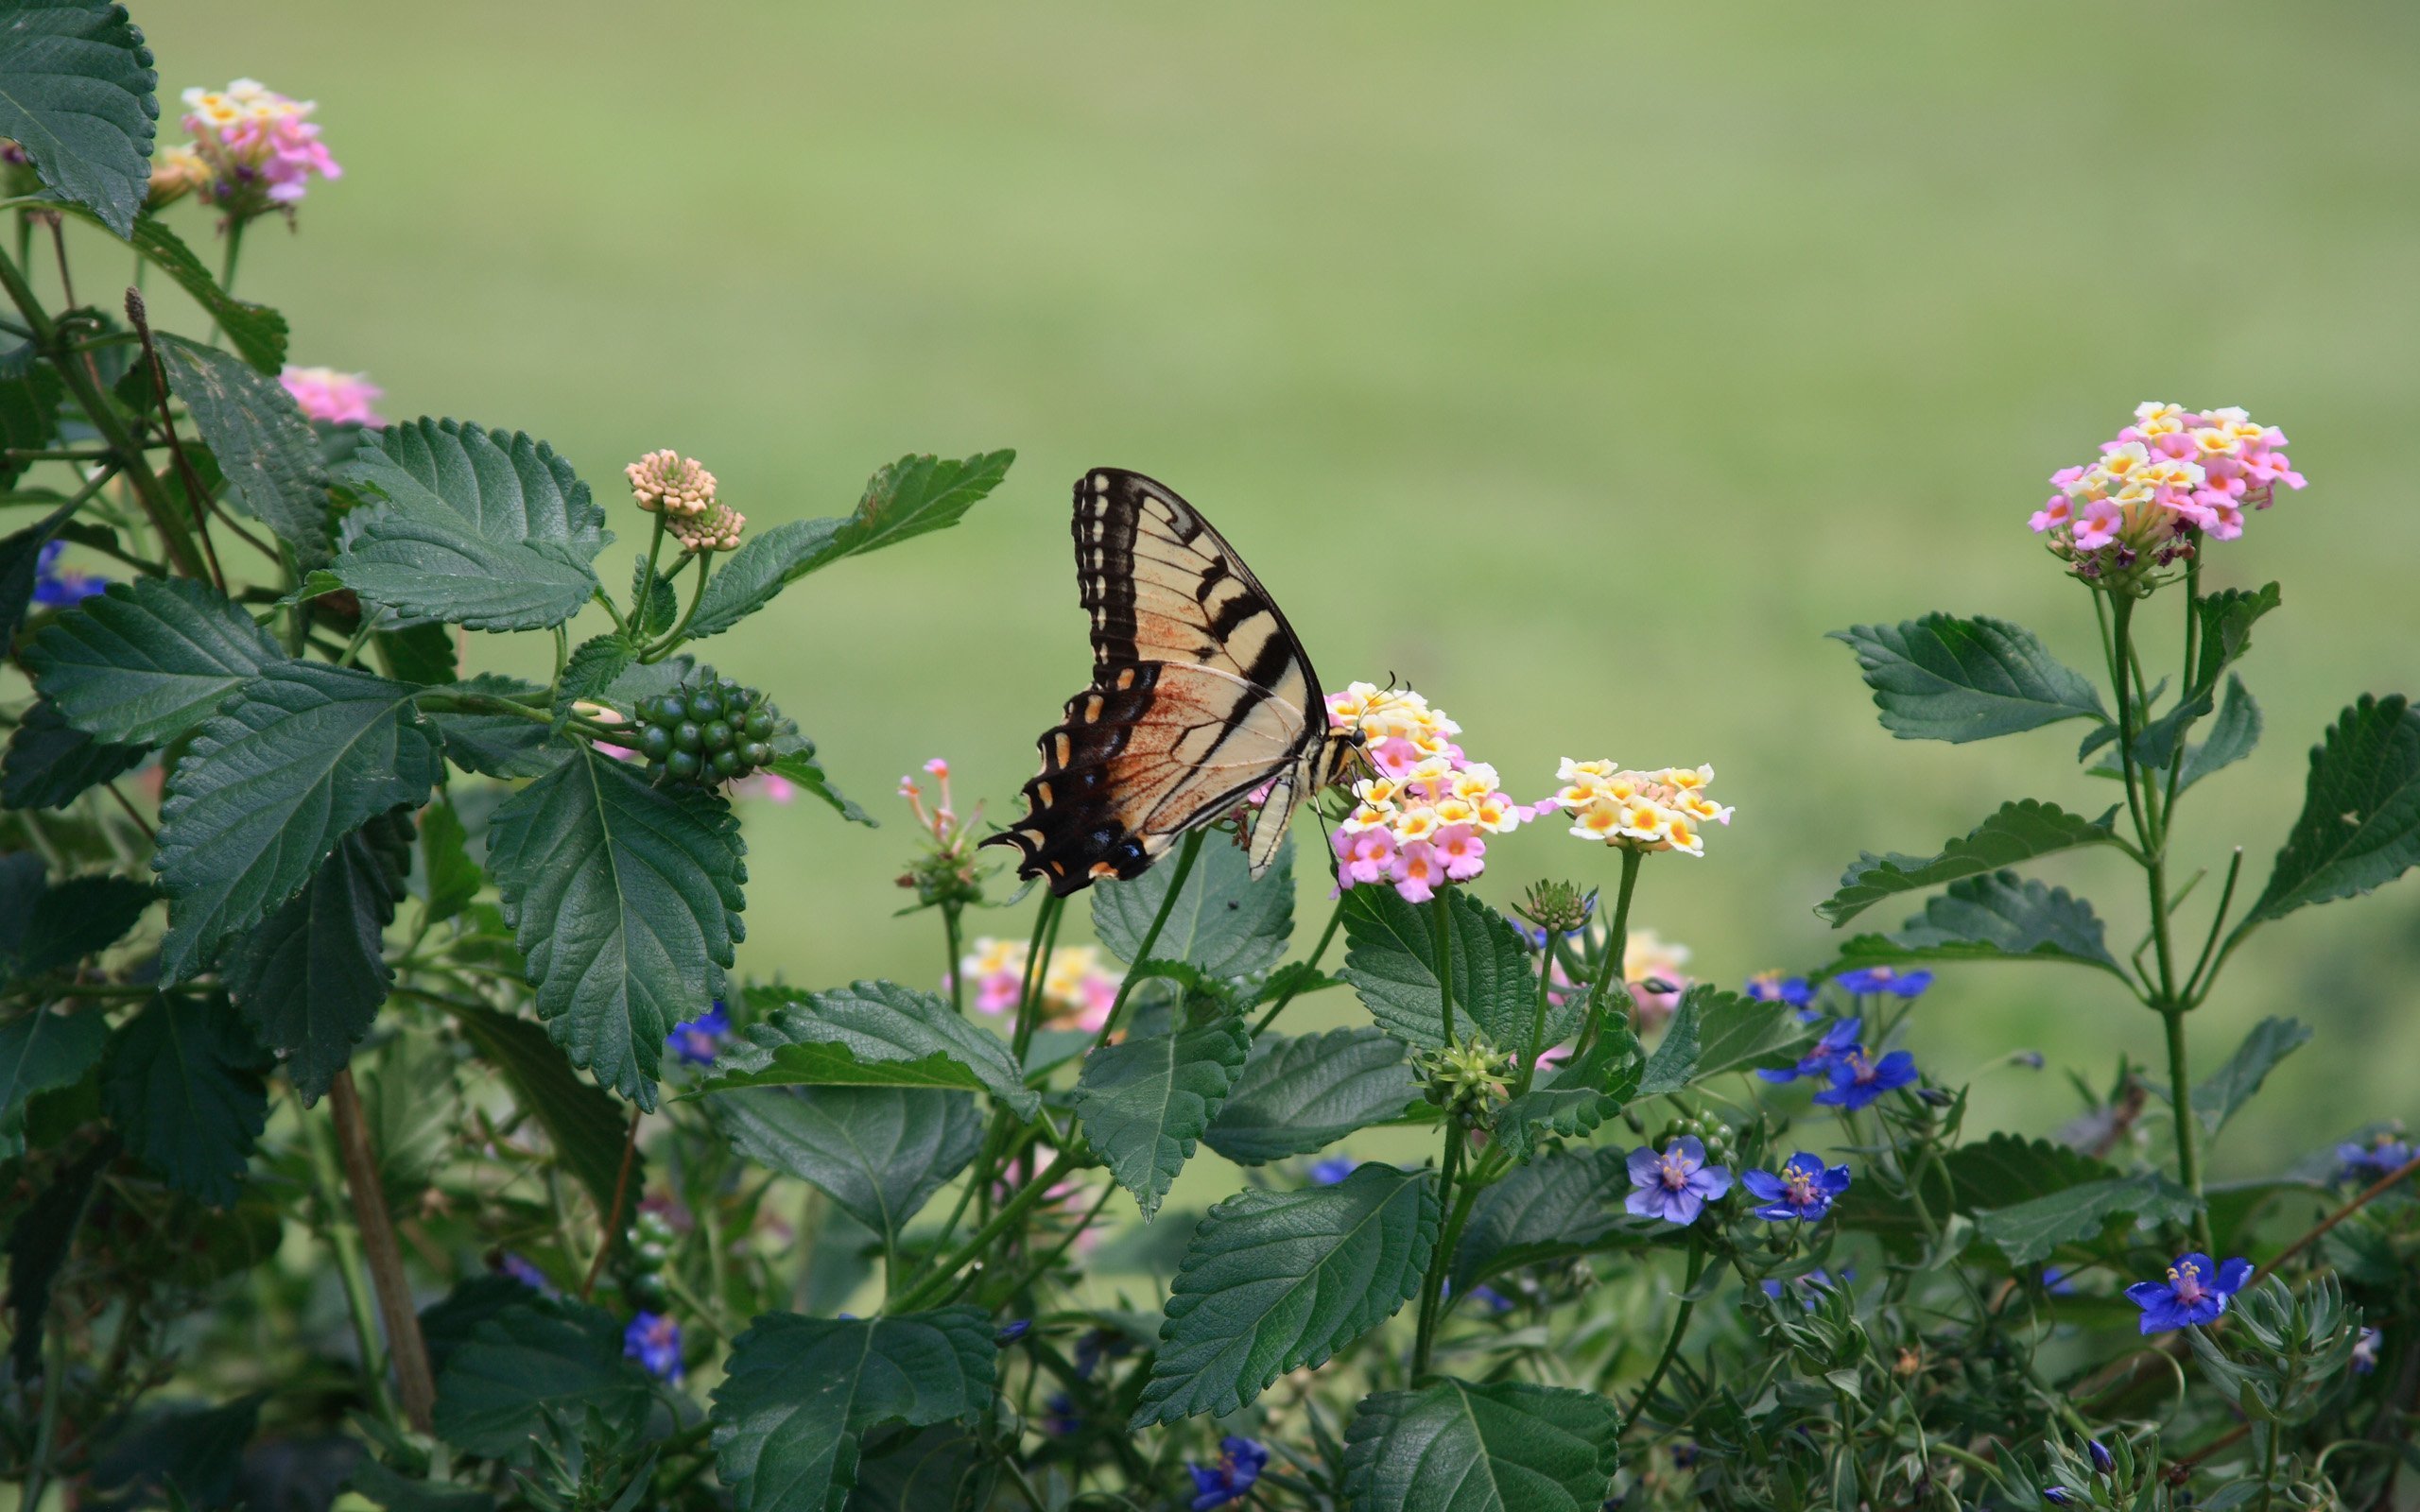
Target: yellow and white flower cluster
{"type": "Point", "coordinates": [1644, 811]}
{"type": "Point", "coordinates": [1423, 820]}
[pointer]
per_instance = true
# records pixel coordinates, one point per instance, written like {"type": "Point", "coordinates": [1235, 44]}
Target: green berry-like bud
{"type": "Point", "coordinates": [756, 753]}
{"type": "Point", "coordinates": [670, 710]}
{"type": "Point", "coordinates": [687, 738]}
{"type": "Point", "coordinates": [656, 742]}
{"type": "Point", "coordinates": [682, 766]}
{"type": "Point", "coordinates": [705, 706]}
{"type": "Point", "coordinates": [725, 762]}
{"type": "Point", "coordinates": [760, 726]}
{"type": "Point", "coordinates": [655, 771]}
{"type": "Point", "coordinates": [717, 735]}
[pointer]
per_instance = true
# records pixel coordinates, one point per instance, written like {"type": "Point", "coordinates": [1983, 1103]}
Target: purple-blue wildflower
{"type": "Point", "coordinates": [1838, 1040]}
{"type": "Point", "coordinates": [1801, 1191]}
{"type": "Point", "coordinates": [1059, 1414]}
{"type": "Point", "coordinates": [521, 1270]}
{"type": "Point", "coordinates": [1011, 1331]}
{"type": "Point", "coordinates": [1231, 1480]}
{"type": "Point", "coordinates": [62, 588]}
{"type": "Point", "coordinates": [1857, 1081]}
{"type": "Point", "coordinates": [2365, 1352]}
{"type": "Point", "coordinates": [1329, 1171]}
{"type": "Point", "coordinates": [2195, 1292]}
{"type": "Point", "coordinates": [698, 1041]}
{"type": "Point", "coordinates": [2102, 1460]}
{"type": "Point", "coordinates": [654, 1341]}
{"type": "Point", "coordinates": [2381, 1156]}
{"type": "Point", "coordinates": [1772, 987]}
{"type": "Point", "coordinates": [1676, 1185]}
{"type": "Point", "coordinates": [2057, 1496]}
{"type": "Point", "coordinates": [1883, 979]}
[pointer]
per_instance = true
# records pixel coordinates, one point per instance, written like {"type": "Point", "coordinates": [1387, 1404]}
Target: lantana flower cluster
{"type": "Point", "coordinates": [1077, 989]}
{"type": "Point", "coordinates": [253, 150]}
{"type": "Point", "coordinates": [1645, 811]}
{"type": "Point", "coordinates": [2173, 474]}
{"type": "Point", "coordinates": [334, 398]}
{"type": "Point", "coordinates": [1425, 818]}
{"type": "Point", "coordinates": [681, 489]}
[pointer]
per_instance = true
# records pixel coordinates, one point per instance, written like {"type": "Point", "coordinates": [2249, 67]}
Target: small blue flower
{"type": "Point", "coordinates": [1487, 1296]}
{"type": "Point", "coordinates": [1684, 1456]}
{"type": "Point", "coordinates": [1097, 1346]}
{"type": "Point", "coordinates": [526, 1274]}
{"type": "Point", "coordinates": [62, 588]}
{"type": "Point", "coordinates": [1883, 979]}
{"type": "Point", "coordinates": [1857, 1081]}
{"type": "Point", "coordinates": [2056, 1281]}
{"type": "Point", "coordinates": [2365, 1352]}
{"type": "Point", "coordinates": [2057, 1496]}
{"type": "Point", "coordinates": [1059, 1414]}
{"type": "Point", "coordinates": [696, 1040]}
{"type": "Point", "coordinates": [2381, 1156]}
{"type": "Point", "coordinates": [1802, 1190]}
{"type": "Point", "coordinates": [2102, 1460]}
{"type": "Point", "coordinates": [1838, 1040]}
{"type": "Point", "coordinates": [1772, 987]}
{"type": "Point", "coordinates": [1676, 1185]}
{"type": "Point", "coordinates": [1011, 1331]}
{"type": "Point", "coordinates": [1231, 1480]}
{"type": "Point", "coordinates": [1335, 1168]}
{"type": "Point", "coordinates": [2195, 1292]}
{"type": "Point", "coordinates": [654, 1341]}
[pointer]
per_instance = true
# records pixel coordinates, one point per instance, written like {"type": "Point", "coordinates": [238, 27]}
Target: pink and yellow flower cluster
{"type": "Point", "coordinates": [253, 150]}
{"type": "Point", "coordinates": [1076, 991]}
{"type": "Point", "coordinates": [2172, 474]}
{"type": "Point", "coordinates": [1423, 820]}
{"type": "Point", "coordinates": [334, 398]}
{"type": "Point", "coordinates": [1646, 811]}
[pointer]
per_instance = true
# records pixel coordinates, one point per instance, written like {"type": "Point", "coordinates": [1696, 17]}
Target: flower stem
{"type": "Point", "coordinates": [1336, 917]}
{"type": "Point", "coordinates": [955, 969]}
{"type": "Point", "coordinates": [1443, 926]}
{"type": "Point", "coordinates": [1190, 848]}
{"type": "Point", "coordinates": [1680, 1326]}
{"type": "Point", "coordinates": [342, 1238]}
{"type": "Point", "coordinates": [1617, 951]}
{"type": "Point", "coordinates": [1538, 1022]}
{"type": "Point", "coordinates": [414, 1381]}
{"type": "Point", "coordinates": [1433, 1288]}
{"type": "Point", "coordinates": [937, 1280]}
{"type": "Point", "coordinates": [613, 1214]}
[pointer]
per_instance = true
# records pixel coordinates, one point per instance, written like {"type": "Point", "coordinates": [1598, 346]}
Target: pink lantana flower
{"type": "Point", "coordinates": [1417, 873]}
{"type": "Point", "coordinates": [1424, 819]}
{"type": "Point", "coordinates": [334, 398]}
{"type": "Point", "coordinates": [2163, 483]}
{"type": "Point", "coordinates": [260, 147]}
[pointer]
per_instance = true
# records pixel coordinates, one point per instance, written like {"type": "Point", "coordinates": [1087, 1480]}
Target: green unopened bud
{"type": "Point", "coordinates": [1465, 1078]}
{"type": "Point", "coordinates": [1557, 908]}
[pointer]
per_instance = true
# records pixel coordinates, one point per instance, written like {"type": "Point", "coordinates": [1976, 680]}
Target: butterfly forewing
{"type": "Point", "coordinates": [1198, 697]}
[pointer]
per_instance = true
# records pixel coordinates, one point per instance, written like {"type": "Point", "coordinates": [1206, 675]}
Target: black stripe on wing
{"type": "Point", "coordinates": [1072, 831]}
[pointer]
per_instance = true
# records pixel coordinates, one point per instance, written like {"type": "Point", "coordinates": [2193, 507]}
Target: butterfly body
{"type": "Point", "coordinates": [1201, 696]}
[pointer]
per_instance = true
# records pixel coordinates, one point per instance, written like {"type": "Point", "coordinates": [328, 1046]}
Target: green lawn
{"type": "Point", "coordinates": [1580, 367]}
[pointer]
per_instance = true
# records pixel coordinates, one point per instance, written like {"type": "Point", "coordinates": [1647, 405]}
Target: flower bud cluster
{"type": "Point", "coordinates": [677, 485]}
{"type": "Point", "coordinates": [1466, 1079]}
{"type": "Point", "coordinates": [707, 730]}
{"type": "Point", "coordinates": [2172, 475]}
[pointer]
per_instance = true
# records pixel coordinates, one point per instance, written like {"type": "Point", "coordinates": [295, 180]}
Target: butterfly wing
{"type": "Point", "coordinates": [1199, 692]}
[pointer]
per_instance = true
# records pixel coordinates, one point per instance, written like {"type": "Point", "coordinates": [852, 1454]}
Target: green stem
{"type": "Point", "coordinates": [1335, 917]}
{"type": "Point", "coordinates": [1191, 847]}
{"type": "Point", "coordinates": [54, 1386]}
{"type": "Point", "coordinates": [351, 1271]}
{"type": "Point", "coordinates": [1680, 1326]}
{"type": "Point", "coordinates": [1440, 923]}
{"type": "Point", "coordinates": [2196, 989]}
{"type": "Point", "coordinates": [227, 268]}
{"type": "Point", "coordinates": [672, 640]}
{"type": "Point", "coordinates": [1433, 1288]}
{"type": "Point", "coordinates": [1537, 1023]}
{"type": "Point", "coordinates": [2122, 612]}
{"type": "Point", "coordinates": [361, 638]}
{"type": "Point", "coordinates": [937, 1279]}
{"type": "Point", "coordinates": [1617, 952]}
{"type": "Point", "coordinates": [956, 969]}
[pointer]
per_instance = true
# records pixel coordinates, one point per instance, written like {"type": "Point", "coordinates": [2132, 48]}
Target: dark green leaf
{"type": "Point", "coordinates": [79, 94]}
{"type": "Point", "coordinates": [2019, 832]}
{"type": "Point", "coordinates": [2000, 1172]}
{"type": "Point", "coordinates": [1224, 922]}
{"type": "Point", "coordinates": [1145, 1101]}
{"type": "Point", "coordinates": [536, 1357]}
{"type": "Point", "coordinates": [411, 1101]}
{"type": "Point", "coordinates": [419, 653]}
{"type": "Point", "coordinates": [655, 605]}
{"type": "Point", "coordinates": [454, 879]}
{"type": "Point", "coordinates": [2028, 1231]}
{"type": "Point", "coordinates": [256, 331]}
{"type": "Point", "coordinates": [42, 1051]}
{"type": "Point", "coordinates": [799, 767]}
{"type": "Point", "coordinates": [907, 499]}
{"type": "Point", "coordinates": [2233, 735]}
{"type": "Point", "coordinates": [2359, 827]}
{"type": "Point", "coordinates": [1390, 960]}
{"type": "Point", "coordinates": [447, 1324]}
{"type": "Point", "coordinates": [38, 1245]}
{"type": "Point", "coordinates": [494, 744]}
{"type": "Point", "coordinates": [879, 1152]}
{"type": "Point", "coordinates": [262, 443]}
{"type": "Point", "coordinates": [585, 1125]}
{"type": "Point", "coordinates": [306, 754]}
{"type": "Point", "coordinates": [147, 661]}
{"type": "Point", "coordinates": [2001, 917]}
{"type": "Point", "coordinates": [1737, 1033]}
{"type": "Point", "coordinates": [2227, 617]}
{"type": "Point", "coordinates": [182, 1081]}
{"type": "Point", "coordinates": [625, 899]}
{"type": "Point", "coordinates": [1555, 1207]}
{"type": "Point", "coordinates": [1675, 1061]}
{"type": "Point", "coordinates": [1941, 678]}
{"type": "Point", "coordinates": [800, 1392]}
{"type": "Point", "coordinates": [1274, 1281]}
{"type": "Point", "coordinates": [2232, 1086]}
{"type": "Point", "coordinates": [592, 668]}
{"type": "Point", "coordinates": [499, 485]}
{"type": "Point", "coordinates": [29, 398]}
{"type": "Point", "coordinates": [2156, 744]}
{"type": "Point", "coordinates": [1303, 1095]}
{"type": "Point", "coordinates": [1506, 1447]}
{"type": "Point", "coordinates": [21, 563]}
{"type": "Point", "coordinates": [1580, 1094]}
{"type": "Point", "coordinates": [311, 977]}
{"type": "Point", "coordinates": [191, 1455]}
{"type": "Point", "coordinates": [67, 922]}
{"type": "Point", "coordinates": [50, 766]}
{"type": "Point", "coordinates": [941, 1469]}
{"type": "Point", "coordinates": [872, 1034]}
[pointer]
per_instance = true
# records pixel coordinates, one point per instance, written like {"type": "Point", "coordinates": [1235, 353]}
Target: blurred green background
{"type": "Point", "coordinates": [1579, 364]}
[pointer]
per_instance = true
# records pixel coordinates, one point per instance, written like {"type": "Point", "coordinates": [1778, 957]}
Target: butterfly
{"type": "Point", "coordinates": [1201, 696]}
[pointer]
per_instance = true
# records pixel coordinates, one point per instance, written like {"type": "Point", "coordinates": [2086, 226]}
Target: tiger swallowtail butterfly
{"type": "Point", "coordinates": [1201, 694]}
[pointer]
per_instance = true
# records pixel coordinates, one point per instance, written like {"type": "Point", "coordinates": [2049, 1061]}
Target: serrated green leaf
{"type": "Point", "coordinates": [429, 566]}
{"type": "Point", "coordinates": [2001, 917]}
{"type": "Point", "coordinates": [591, 669]}
{"type": "Point", "coordinates": [147, 661]}
{"type": "Point", "coordinates": [42, 1052]}
{"type": "Point", "coordinates": [799, 767]}
{"type": "Point", "coordinates": [453, 878]}
{"type": "Point", "coordinates": [304, 755]}
{"type": "Point", "coordinates": [1675, 1060]}
{"type": "Point", "coordinates": [47, 927]}
{"type": "Point", "coordinates": [1941, 677]}
{"type": "Point", "coordinates": [261, 440]}
{"type": "Point", "coordinates": [40, 1243]}
{"type": "Point", "coordinates": [2000, 1172]}
{"type": "Point", "coordinates": [1303, 1094]}
{"type": "Point", "coordinates": [2028, 1231]}
{"type": "Point", "coordinates": [2359, 827]}
{"type": "Point", "coordinates": [2233, 735]}
{"type": "Point", "coordinates": [911, 497]}
{"type": "Point", "coordinates": [1505, 1447]}
{"type": "Point", "coordinates": [2156, 744]}
{"type": "Point", "coordinates": [2233, 1085]}
{"type": "Point", "coordinates": [941, 1468]}
{"type": "Point", "coordinates": [1274, 1281]}
{"type": "Point", "coordinates": [536, 1357]}
{"type": "Point", "coordinates": [879, 1152]}
{"type": "Point", "coordinates": [418, 653]}
{"type": "Point", "coordinates": [2226, 620]}
{"type": "Point", "coordinates": [181, 1080]}
{"type": "Point", "coordinates": [1557, 1205]}
{"type": "Point", "coordinates": [1580, 1094]}
{"type": "Point", "coordinates": [585, 1125]}
{"type": "Point", "coordinates": [256, 331]}
{"type": "Point", "coordinates": [49, 765]}
{"type": "Point", "coordinates": [21, 558]}
{"type": "Point", "coordinates": [654, 604]}
{"type": "Point", "coordinates": [502, 485]}
{"type": "Point", "coordinates": [411, 1099]}
{"type": "Point", "coordinates": [625, 901]}
{"type": "Point", "coordinates": [493, 745]}
{"type": "Point", "coordinates": [1145, 1101]}
{"type": "Point", "coordinates": [188, 1456]}
{"type": "Point", "coordinates": [79, 94]}
{"type": "Point", "coordinates": [2018, 831]}
{"type": "Point", "coordinates": [30, 393]}
{"type": "Point", "coordinates": [1390, 960]}
{"type": "Point", "coordinates": [1734, 1033]}
{"type": "Point", "coordinates": [1224, 922]}
{"type": "Point", "coordinates": [870, 1034]}
{"type": "Point", "coordinates": [311, 977]}
{"type": "Point", "coordinates": [800, 1392]}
